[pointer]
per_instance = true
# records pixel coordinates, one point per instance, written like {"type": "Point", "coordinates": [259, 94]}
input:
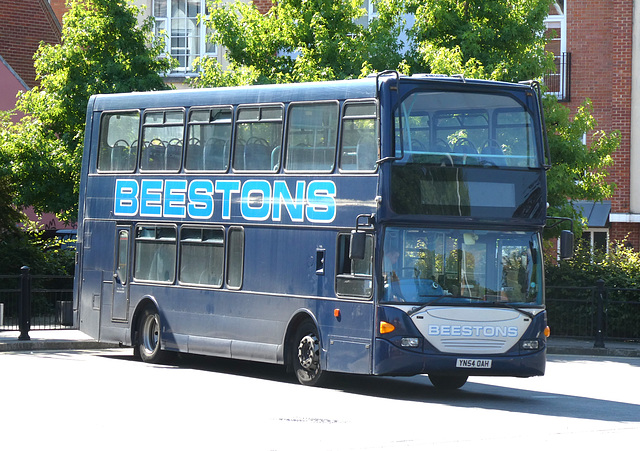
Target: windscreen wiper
{"type": "Point", "coordinates": [509, 306]}
{"type": "Point", "coordinates": [418, 308]}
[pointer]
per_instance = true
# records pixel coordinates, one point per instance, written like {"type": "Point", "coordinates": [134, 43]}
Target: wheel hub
{"type": "Point", "coordinates": [309, 352]}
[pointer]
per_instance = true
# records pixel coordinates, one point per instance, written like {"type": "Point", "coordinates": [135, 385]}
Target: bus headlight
{"type": "Point", "coordinates": [410, 342]}
{"type": "Point", "coordinates": [530, 345]}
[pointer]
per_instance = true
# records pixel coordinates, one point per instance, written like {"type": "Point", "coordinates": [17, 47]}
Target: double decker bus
{"type": "Point", "coordinates": [383, 226]}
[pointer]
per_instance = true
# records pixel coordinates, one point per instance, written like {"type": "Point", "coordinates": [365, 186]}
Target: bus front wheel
{"type": "Point", "coordinates": [446, 382]}
{"type": "Point", "coordinates": [306, 355]}
{"type": "Point", "coordinates": [148, 343]}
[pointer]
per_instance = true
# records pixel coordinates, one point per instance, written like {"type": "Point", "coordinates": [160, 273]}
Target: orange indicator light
{"type": "Point", "coordinates": [386, 327]}
{"type": "Point", "coordinates": [336, 313]}
{"type": "Point", "coordinates": [547, 331]}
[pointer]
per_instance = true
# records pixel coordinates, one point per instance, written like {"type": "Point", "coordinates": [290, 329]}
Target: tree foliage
{"type": "Point", "coordinates": [488, 39]}
{"type": "Point", "coordinates": [103, 50]}
{"type": "Point", "coordinates": [578, 171]}
{"type": "Point", "coordinates": [496, 39]}
{"type": "Point", "coordinates": [303, 40]}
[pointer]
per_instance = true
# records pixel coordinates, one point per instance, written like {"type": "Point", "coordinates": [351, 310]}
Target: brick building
{"type": "Point", "coordinates": [24, 25]}
{"type": "Point", "coordinates": [595, 55]}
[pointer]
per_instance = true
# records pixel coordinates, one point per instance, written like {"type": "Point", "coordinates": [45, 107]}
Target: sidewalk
{"type": "Point", "coordinates": [49, 340]}
{"type": "Point", "coordinates": [572, 346]}
{"type": "Point", "coordinates": [54, 340]}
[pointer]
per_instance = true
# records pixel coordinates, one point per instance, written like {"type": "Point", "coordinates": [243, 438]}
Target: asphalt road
{"type": "Point", "coordinates": [105, 399]}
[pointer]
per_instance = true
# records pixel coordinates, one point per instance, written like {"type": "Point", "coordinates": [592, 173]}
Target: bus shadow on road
{"type": "Point", "coordinates": [490, 397]}
{"type": "Point", "coordinates": [419, 389]}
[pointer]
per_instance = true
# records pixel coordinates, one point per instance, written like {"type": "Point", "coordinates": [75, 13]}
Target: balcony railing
{"type": "Point", "coordinates": [558, 83]}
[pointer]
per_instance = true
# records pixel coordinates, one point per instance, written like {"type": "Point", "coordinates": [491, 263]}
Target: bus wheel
{"type": "Point", "coordinates": [445, 382]}
{"type": "Point", "coordinates": [148, 346]}
{"type": "Point", "coordinates": [306, 355]}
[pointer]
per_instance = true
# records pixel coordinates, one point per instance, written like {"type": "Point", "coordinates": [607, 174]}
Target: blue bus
{"type": "Point", "coordinates": [382, 226]}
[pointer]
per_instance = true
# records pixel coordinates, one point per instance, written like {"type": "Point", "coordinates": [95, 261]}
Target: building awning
{"type": "Point", "coordinates": [596, 213]}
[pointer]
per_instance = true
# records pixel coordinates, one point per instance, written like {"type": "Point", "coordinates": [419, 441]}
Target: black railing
{"type": "Point", "coordinates": [597, 312]}
{"type": "Point", "coordinates": [46, 302]}
{"type": "Point", "coordinates": [558, 82]}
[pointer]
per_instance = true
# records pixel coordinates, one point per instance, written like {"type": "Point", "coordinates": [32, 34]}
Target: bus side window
{"type": "Point", "coordinates": [162, 140]}
{"type": "Point", "coordinates": [311, 137]}
{"type": "Point", "coordinates": [235, 257]}
{"type": "Point", "coordinates": [201, 256]}
{"type": "Point", "coordinates": [208, 138]}
{"type": "Point", "coordinates": [118, 141]}
{"type": "Point", "coordinates": [354, 277]}
{"type": "Point", "coordinates": [155, 253]}
{"type": "Point", "coordinates": [359, 149]}
{"type": "Point", "coordinates": [258, 138]}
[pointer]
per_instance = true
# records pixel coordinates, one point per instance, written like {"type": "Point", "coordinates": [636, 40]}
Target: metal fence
{"type": "Point", "coordinates": [597, 311]}
{"type": "Point", "coordinates": [50, 302]}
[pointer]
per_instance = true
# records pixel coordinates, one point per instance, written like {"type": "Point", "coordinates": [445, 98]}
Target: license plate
{"type": "Point", "coordinates": [473, 363]}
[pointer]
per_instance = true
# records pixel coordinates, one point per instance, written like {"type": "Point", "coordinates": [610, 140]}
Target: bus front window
{"type": "Point", "coordinates": [461, 266]}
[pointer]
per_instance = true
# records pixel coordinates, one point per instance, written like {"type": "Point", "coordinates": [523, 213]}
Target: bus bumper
{"type": "Point", "coordinates": [391, 360]}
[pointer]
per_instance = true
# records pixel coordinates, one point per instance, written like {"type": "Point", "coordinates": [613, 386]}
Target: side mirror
{"type": "Point", "coordinates": [357, 248]}
{"type": "Point", "coordinates": [566, 244]}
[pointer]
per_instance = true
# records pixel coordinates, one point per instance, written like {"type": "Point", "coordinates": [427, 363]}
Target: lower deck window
{"type": "Point", "coordinates": [235, 257]}
{"type": "Point", "coordinates": [354, 277]}
{"type": "Point", "coordinates": [201, 256]}
{"type": "Point", "coordinates": [155, 257]}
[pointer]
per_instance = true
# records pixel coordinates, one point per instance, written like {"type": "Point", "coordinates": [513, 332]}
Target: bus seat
{"type": "Point", "coordinates": [257, 156]}
{"type": "Point", "coordinates": [174, 155]}
{"type": "Point", "coordinates": [213, 155]}
{"type": "Point", "coordinates": [155, 154]}
{"type": "Point", "coordinates": [194, 158]}
{"type": "Point", "coordinates": [105, 158]}
{"type": "Point", "coordinates": [122, 158]}
{"type": "Point", "coordinates": [366, 153]}
{"type": "Point", "coordinates": [275, 158]}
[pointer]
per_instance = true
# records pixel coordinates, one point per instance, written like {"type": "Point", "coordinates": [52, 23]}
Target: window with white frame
{"type": "Point", "coordinates": [556, 23]}
{"type": "Point", "coordinates": [596, 239]}
{"type": "Point", "coordinates": [185, 38]}
{"type": "Point", "coordinates": [371, 13]}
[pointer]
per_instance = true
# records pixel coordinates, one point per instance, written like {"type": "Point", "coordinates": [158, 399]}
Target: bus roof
{"type": "Point", "coordinates": [308, 91]}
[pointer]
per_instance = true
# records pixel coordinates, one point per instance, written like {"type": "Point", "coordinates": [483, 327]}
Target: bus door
{"type": "Point", "coordinates": [120, 304]}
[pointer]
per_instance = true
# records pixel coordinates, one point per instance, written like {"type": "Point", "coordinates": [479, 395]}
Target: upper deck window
{"type": "Point", "coordinates": [312, 136]}
{"type": "Point", "coordinates": [258, 138]}
{"type": "Point", "coordinates": [162, 133]}
{"type": "Point", "coordinates": [118, 141]}
{"type": "Point", "coordinates": [470, 129]}
{"type": "Point", "coordinates": [359, 150]}
{"type": "Point", "coordinates": [208, 139]}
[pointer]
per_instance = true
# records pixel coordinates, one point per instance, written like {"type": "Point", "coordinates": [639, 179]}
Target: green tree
{"type": "Point", "coordinates": [496, 39]}
{"type": "Point", "coordinates": [578, 171]}
{"type": "Point", "coordinates": [103, 50]}
{"type": "Point", "coordinates": [300, 40]}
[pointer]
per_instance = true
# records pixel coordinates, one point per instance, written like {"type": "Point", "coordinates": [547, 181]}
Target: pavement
{"type": "Point", "coordinates": [72, 339]}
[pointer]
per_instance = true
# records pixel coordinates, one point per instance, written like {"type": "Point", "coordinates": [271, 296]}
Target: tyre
{"type": "Point", "coordinates": [305, 355]}
{"type": "Point", "coordinates": [446, 382]}
{"type": "Point", "coordinates": [148, 344]}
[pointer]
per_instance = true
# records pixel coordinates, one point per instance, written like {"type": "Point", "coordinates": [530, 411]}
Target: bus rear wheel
{"type": "Point", "coordinates": [306, 355]}
{"type": "Point", "coordinates": [447, 382]}
{"type": "Point", "coordinates": [148, 344]}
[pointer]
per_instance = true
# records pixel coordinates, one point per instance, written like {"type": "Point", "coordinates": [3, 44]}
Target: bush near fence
{"type": "Point", "coordinates": [572, 312]}
{"type": "Point", "coordinates": [571, 293]}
